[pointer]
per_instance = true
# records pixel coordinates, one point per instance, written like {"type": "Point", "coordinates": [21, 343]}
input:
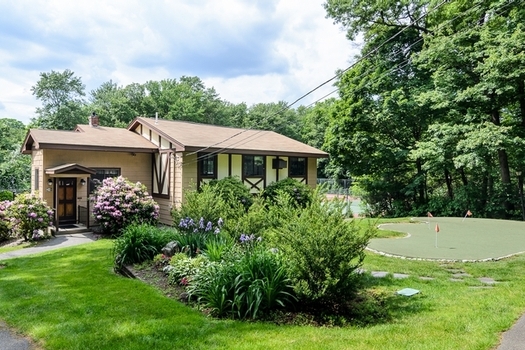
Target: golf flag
{"type": "Point", "coordinates": [469, 213]}
{"type": "Point", "coordinates": [429, 214]}
{"type": "Point", "coordinates": [437, 228]}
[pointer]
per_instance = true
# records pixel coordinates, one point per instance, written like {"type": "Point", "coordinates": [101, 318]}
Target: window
{"type": "Point", "coordinates": [96, 180]}
{"type": "Point", "coordinates": [297, 166]}
{"type": "Point", "coordinates": [253, 165]}
{"type": "Point", "coordinates": [207, 165]}
{"type": "Point", "coordinates": [161, 174]}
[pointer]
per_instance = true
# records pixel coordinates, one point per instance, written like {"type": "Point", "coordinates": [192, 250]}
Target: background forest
{"type": "Point", "coordinates": [429, 117]}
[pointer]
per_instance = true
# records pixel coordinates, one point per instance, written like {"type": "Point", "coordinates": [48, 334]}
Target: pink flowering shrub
{"type": "Point", "coordinates": [5, 225]}
{"type": "Point", "coordinates": [29, 217]}
{"type": "Point", "coordinates": [119, 203]}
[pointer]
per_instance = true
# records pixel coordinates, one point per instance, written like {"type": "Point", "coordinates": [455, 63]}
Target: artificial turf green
{"type": "Point", "coordinates": [457, 239]}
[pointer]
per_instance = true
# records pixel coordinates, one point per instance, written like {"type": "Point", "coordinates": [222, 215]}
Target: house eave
{"type": "Point", "coordinates": [93, 148]}
{"type": "Point", "coordinates": [256, 152]}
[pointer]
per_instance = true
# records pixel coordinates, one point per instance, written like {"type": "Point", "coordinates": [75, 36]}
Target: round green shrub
{"type": "Point", "coordinates": [300, 193]}
{"type": "Point", "coordinates": [232, 189]}
{"type": "Point", "coordinates": [6, 196]}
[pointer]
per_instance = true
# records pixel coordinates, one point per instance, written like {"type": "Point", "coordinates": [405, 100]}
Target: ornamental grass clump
{"type": "Point", "coordinates": [139, 243]}
{"type": "Point", "coordinates": [250, 282]}
{"type": "Point", "coordinates": [29, 217]}
{"type": "Point", "coordinates": [119, 203]}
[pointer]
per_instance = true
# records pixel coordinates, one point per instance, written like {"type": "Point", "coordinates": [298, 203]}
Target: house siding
{"type": "Point", "coordinates": [37, 163]}
{"type": "Point", "coordinates": [135, 168]}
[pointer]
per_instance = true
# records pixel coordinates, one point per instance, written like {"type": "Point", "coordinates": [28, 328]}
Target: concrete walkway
{"type": "Point", "coordinates": [513, 339]}
{"type": "Point", "coordinates": [60, 241]}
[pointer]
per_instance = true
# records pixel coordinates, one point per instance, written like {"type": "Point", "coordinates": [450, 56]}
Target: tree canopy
{"type": "Point", "coordinates": [432, 115]}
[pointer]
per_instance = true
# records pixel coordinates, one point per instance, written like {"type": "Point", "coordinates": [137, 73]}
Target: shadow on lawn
{"type": "Point", "coordinates": [72, 299]}
{"type": "Point", "coordinates": [383, 303]}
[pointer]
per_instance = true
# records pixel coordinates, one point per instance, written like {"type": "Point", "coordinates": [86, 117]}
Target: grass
{"type": "Point", "coordinates": [71, 299]}
{"type": "Point", "coordinates": [10, 248]}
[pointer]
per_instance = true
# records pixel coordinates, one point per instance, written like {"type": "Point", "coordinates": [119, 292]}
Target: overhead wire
{"type": "Point", "coordinates": [395, 67]}
{"type": "Point", "coordinates": [320, 85]}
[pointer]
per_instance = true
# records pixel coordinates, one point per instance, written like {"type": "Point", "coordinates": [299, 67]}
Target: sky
{"type": "Point", "coordinates": [252, 51]}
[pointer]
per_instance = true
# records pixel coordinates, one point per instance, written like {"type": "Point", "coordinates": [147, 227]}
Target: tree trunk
{"type": "Point", "coordinates": [464, 179]}
{"type": "Point", "coordinates": [421, 185]}
{"type": "Point", "coordinates": [502, 154]}
{"type": "Point", "coordinates": [448, 181]}
{"type": "Point", "coordinates": [521, 101]}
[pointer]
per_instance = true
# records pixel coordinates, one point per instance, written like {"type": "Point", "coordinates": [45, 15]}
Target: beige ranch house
{"type": "Point", "coordinates": [169, 157]}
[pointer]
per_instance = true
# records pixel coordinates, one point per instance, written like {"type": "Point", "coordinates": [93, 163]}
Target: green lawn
{"type": "Point", "coordinates": [71, 299]}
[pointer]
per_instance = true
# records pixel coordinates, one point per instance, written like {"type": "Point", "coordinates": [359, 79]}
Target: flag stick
{"type": "Point", "coordinates": [437, 230]}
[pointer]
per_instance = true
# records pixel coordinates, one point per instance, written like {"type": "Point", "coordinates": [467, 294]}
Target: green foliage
{"type": "Point", "coordinates": [323, 249]}
{"type": "Point", "coordinates": [203, 204]}
{"type": "Point", "coordinates": [139, 243]}
{"type": "Point", "coordinates": [62, 100]}
{"type": "Point", "coordinates": [250, 282]}
{"type": "Point", "coordinates": [182, 268]}
{"type": "Point", "coordinates": [15, 168]}
{"type": "Point", "coordinates": [6, 196]}
{"type": "Point", "coordinates": [119, 203]}
{"type": "Point", "coordinates": [233, 191]}
{"type": "Point", "coordinates": [30, 217]}
{"type": "Point", "coordinates": [298, 191]}
{"type": "Point", "coordinates": [257, 220]}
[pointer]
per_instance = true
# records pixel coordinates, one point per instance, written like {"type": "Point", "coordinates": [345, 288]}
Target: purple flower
{"type": "Point", "coordinates": [217, 231]}
{"type": "Point", "coordinates": [201, 223]}
{"type": "Point", "coordinates": [220, 222]}
{"type": "Point", "coordinates": [209, 226]}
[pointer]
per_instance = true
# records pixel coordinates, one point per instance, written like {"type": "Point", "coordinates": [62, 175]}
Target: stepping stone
{"type": "Point", "coordinates": [487, 280]}
{"type": "Point", "coordinates": [379, 274]}
{"type": "Point", "coordinates": [400, 275]}
{"type": "Point", "coordinates": [426, 278]}
{"type": "Point", "coordinates": [455, 280]}
{"type": "Point", "coordinates": [461, 274]}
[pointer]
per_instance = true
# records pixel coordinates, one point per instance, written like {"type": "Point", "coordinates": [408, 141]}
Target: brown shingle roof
{"type": "Point", "coordinates": [212, 138]}
{"type": "Point", "coordinates": [86, 137]}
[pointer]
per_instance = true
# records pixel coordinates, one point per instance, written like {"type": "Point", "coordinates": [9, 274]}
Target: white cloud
{"type": "Point", "coordinates": [257, 51]}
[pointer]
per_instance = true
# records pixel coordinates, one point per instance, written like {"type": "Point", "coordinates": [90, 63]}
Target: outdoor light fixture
{"type": "Point", "coordinates": [50, 182]}
{"type": "Point", "coordinates": [82, 182]}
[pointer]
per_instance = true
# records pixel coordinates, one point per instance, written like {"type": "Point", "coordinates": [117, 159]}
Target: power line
{"type": "Point", "coordinates": [327, 81]}
{"type": "Point", "coordinates": [361, 59]}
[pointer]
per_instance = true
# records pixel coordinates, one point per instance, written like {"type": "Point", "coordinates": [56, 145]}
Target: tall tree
{"type": "Point", "coordinates": [378, 120]}
{"type": "Point", "coordinates": [15, 168]}
{"type": "Point", "coordinates": [61, 95]}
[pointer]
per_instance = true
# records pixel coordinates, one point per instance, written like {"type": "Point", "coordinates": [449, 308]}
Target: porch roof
{"type": "Point", "coordinates": [71, 168]}
{"type": "Point", "coordinates": [187, 136]}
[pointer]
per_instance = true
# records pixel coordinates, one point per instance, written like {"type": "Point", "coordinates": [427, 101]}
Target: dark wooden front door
{"type": "Point", "coordinates": [67, 200]}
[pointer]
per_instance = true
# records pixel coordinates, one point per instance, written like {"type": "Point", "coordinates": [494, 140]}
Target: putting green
{"type": "Point", "coordinates": [457, 239]}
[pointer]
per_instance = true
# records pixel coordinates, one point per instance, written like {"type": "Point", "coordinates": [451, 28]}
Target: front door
{"type": "Point", "coordinates": [67, 194]}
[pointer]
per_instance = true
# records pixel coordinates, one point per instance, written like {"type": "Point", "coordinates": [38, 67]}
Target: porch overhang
{"type": "Point", "coordinates": [71, 168]}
